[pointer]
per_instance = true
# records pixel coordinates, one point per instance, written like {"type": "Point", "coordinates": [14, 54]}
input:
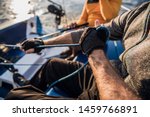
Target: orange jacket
{"type": "Point", "coordinates": [104, 11]}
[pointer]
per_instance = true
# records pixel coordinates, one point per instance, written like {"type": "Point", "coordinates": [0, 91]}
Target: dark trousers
{"type": "Point", "coordinates": [80, 86]}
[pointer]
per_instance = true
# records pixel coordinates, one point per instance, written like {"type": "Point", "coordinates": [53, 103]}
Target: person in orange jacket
{"type": "Point", "coordinates": [98, 10]}
{"type": "Point", "coordinates": [95, 12]}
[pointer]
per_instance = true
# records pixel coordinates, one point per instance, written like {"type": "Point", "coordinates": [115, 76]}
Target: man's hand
{"type": "Point", "coordinates": [72, 25]}
{"type": "Point", "coordinates": [93, 38]}
{"type": "Point", "coordinates": [29, 46]}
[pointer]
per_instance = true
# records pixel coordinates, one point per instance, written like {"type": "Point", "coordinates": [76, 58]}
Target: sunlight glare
{"type": "Point", "coordinates": [21, 8]}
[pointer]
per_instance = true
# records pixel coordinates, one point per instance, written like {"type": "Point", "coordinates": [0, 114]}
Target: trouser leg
{"type": "Point", "coordinates": [30, 92]}
{"type": "Point", "coordinates": [58, 68]}
{"type": "Point", "coordinates": [52, 71]}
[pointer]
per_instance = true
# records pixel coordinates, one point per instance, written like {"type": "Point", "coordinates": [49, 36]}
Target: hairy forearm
{"type": "Point", "coordinates": [109, 83]}
{"type": "Point", "coordinates": [66, 38]}
{"type": "Point", "coordinates": [61, 39]}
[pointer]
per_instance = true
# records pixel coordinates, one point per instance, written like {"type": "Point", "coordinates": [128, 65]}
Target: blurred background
{"type": "Point", "coordinates": [23, 9]}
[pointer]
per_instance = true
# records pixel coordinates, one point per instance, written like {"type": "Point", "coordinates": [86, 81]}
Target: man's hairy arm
{"type": "Point", "coordinates": [66, 38]}
{"type": "Point", "coordinates": [109, 83]}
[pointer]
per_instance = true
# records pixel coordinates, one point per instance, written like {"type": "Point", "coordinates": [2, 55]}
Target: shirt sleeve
{"type": "Point", "coordinates": [116, 26]}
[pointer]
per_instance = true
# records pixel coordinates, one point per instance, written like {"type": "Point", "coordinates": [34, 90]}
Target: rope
{"type": "Point", "coordinates": [68, 76]}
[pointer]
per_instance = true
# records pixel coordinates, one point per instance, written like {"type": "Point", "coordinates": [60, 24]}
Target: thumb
{"type": "Point", "coordinates": [97, 23]}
